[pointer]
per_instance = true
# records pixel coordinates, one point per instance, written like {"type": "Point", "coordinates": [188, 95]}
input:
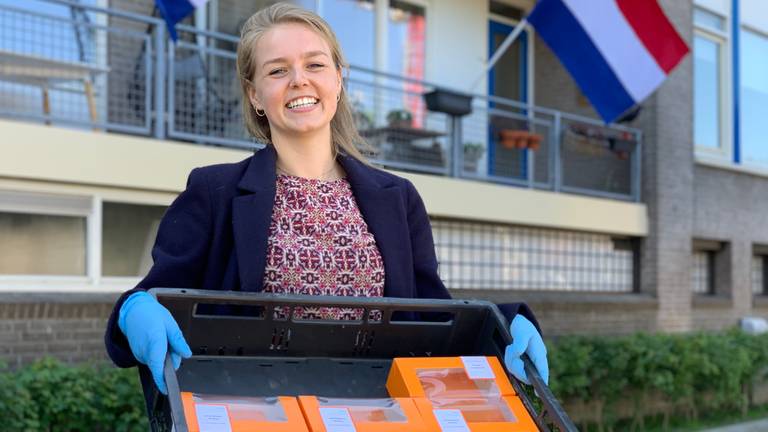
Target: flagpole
{"type": "Point", "coordinates": [511, 37]}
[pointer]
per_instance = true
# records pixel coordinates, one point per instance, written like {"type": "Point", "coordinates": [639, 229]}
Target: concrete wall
{"type": "Point", "coordinates": [111, 162]}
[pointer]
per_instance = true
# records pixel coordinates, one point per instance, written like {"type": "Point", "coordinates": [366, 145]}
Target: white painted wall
{"type": "Point", "coordinates": [457, 43]}
{"type": "Point", "coordinates": [754, 13]}
{"type": "Point", "coordinates": [722, 7]}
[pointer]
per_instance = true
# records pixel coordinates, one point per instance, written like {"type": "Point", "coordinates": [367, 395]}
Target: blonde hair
{"type": "Point", "coordinates": [344, 133]}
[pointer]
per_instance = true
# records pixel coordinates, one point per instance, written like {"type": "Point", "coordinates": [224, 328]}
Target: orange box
{"type": "Point", "coordinates": [366, 415]}
{"type": "Point", "coordinates": [244, 414]}
{"type": "Point", "coordinates": [502, 414]}
{"type": "Point", "coordinates": [445, 377]}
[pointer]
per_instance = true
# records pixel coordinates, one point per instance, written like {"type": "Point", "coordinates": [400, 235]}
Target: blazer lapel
{"type": "Point", "coordinates": [383, 210]}
{"type": "Point", "coordinates": [252, 216]}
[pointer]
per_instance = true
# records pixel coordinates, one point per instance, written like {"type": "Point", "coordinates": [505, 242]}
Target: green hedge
{"type": "Point", "coordinates": [50, 396]}
{"type": "Point", "coordinates": [692, 373]}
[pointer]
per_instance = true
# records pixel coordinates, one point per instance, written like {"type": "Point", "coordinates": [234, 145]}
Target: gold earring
{"type": "Point", "coordinates": [263, 113]}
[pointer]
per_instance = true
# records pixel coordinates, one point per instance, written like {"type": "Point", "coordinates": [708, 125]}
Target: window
{"type": "Point", "coordinates": [406, 57]}
{"type": "Point", "coordinates": [33, 244]}
{"type": "Point", "coordinates": [707, 103]}
{"type": "Point", "coordinates": [354, 23]}
{"type": "Point", "coordinates": [386, 36]}
{"type": "Point", "coordinates": [74, 239]}
{"type": "Point", "coordinates": [717, 51]}
{"type": "Point", "coordinates": [754, 97]}
{"type": "Point", "coordinates": [490, 256]}
{"type": "Point", "coordinates": [705, 266]}
{"type": "Point", "coordinates": [43, 234]}
{"type": "Point", "coordinates": [710, 111]}
{"type": "Point", "coordinates": [129, 232]}
{"type": "Point", "coordinates": [702, 274]}
{"type": "Point", "coordinates": [760, 270]}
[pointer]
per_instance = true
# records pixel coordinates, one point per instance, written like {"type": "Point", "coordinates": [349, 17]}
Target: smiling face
{"type": "Point", "coordinates": [296, 81]}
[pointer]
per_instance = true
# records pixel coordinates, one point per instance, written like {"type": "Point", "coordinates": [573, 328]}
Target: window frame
{"type": "Point", "coordinates": [88, 206]}
{"type": "Point", "coordinates": [760, 252]}
{"type": "Point", "coordinates": [120, 280]}
{"type": "Point", "coordinates": [381, 33]}
{"type": "Point", "coordinates": [51, 204]}
{"type": "Point", "coordinates": [725, 150]}
{"type": "Point", "coordinates": [713, 250]}
{"type": "Point", "coordinates": [530, 72]}
{"type": "Point", "coordinates": [743, 161]}
{"type": "Point", "coordinates": [424, 4]}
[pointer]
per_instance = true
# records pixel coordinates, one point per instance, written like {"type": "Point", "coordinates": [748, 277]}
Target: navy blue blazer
{"type": "Point", "coordinates": [214, 236]}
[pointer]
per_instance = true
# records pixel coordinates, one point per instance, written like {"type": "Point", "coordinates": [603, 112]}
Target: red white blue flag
{"type": "Point", "coordinates": [618, 51]}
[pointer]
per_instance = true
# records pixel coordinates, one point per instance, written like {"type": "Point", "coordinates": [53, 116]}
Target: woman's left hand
{"type": "Point", "coordinates": [526, 339]}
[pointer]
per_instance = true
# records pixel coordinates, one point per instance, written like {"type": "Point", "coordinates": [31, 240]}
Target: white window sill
{"type": "Point", "coordinates": [730, 166]}
{"type": "Point", "coordinates": [71, 284]}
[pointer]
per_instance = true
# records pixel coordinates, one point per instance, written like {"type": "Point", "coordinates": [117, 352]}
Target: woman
{"type": "Point", "coordinates": [305, 215]}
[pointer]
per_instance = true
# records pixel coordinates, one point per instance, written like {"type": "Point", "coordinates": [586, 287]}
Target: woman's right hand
{"type": "Point", "coordinates": [150, 329]}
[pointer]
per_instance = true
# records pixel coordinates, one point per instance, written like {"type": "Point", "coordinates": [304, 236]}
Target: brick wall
{"type": "Point", "coordinates": [667, 187]}
{"type": "Point", "coordinates": [67, 326]}
{"type": "Point", "coordinates": [568, 313]}
{"type": "Point", "coordinates": [730, 207]}
{"type": "Point", "coordinates": [70, 326]}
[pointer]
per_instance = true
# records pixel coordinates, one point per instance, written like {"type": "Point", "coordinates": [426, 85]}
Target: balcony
{"type": "Point", "coordinates": [110, 70]}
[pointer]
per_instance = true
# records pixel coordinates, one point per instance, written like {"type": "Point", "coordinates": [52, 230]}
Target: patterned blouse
{"type": "Point", "coordinates": [319, 244]}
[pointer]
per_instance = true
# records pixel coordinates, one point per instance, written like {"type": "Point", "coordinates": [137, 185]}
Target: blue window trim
{"type": "Point", "coordinates": [736, 91]}
{"type": "Point", "coordinates": [495, 27]}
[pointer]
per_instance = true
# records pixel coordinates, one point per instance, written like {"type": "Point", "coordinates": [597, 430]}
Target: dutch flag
{"type": "Point", "coordinates": [618, 51]}
{"type": "Point", "coordinates": [174, 11]}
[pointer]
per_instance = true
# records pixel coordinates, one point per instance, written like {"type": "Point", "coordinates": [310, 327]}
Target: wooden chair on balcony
{"type": "Point", "coordinates": [44, 72]}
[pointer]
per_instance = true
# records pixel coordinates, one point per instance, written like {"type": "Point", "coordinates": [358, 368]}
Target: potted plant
{"type": "Point", "coordinates": [400, 118]}
{"type": "Point", "coordinates": [534, 141]}
{"type": "Point", "coordinates": [473, 151]}
{"type": "Point", "coordinates": [512, 138]}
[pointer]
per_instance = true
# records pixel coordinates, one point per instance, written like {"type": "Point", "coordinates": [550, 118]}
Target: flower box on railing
{"type": "Point", "coordinates": [520, 139]}
{"type": "Point", "coordinates": [449, 102]}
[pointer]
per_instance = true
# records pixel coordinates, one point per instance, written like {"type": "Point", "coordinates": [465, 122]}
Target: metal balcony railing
{"type": "Point", "coordinates": [107, 69]}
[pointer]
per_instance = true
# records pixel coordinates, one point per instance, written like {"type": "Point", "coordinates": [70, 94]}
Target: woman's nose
{"type": "Point", "coordinates": [298, 78]}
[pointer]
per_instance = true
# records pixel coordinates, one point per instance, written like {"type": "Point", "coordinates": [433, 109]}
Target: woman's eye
{"type": "Point", "coordinates": [316, 65]}
{"type": "Point", "coordinates": [277, 71]}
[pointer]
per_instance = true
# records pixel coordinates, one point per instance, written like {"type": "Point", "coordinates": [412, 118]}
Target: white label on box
{"type": "Point", "coordinates": [212, 418]}
{"type": "Point", "coordinates": [478, 368]}
{"type": "Point", "coordinates": [451, 420]}
{"type": "Point", "coordinates": [337, 420]}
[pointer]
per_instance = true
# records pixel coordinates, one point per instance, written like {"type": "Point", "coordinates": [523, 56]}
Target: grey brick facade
{"type": "Point", "coordinates": [66, 326]}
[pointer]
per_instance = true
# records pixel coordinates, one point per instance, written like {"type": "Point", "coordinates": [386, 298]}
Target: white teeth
{"type": "Point", "coordinates": [302, 102]}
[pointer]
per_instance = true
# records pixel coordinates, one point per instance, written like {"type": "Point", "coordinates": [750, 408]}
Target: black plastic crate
{"type": "Point", "coordinates": [241, 347]}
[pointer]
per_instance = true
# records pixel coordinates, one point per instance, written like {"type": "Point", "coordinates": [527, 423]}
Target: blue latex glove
{"type": "Point", "coordinates": [526, 339]}
{"type": "Point", "coordinates": [150, 328]}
